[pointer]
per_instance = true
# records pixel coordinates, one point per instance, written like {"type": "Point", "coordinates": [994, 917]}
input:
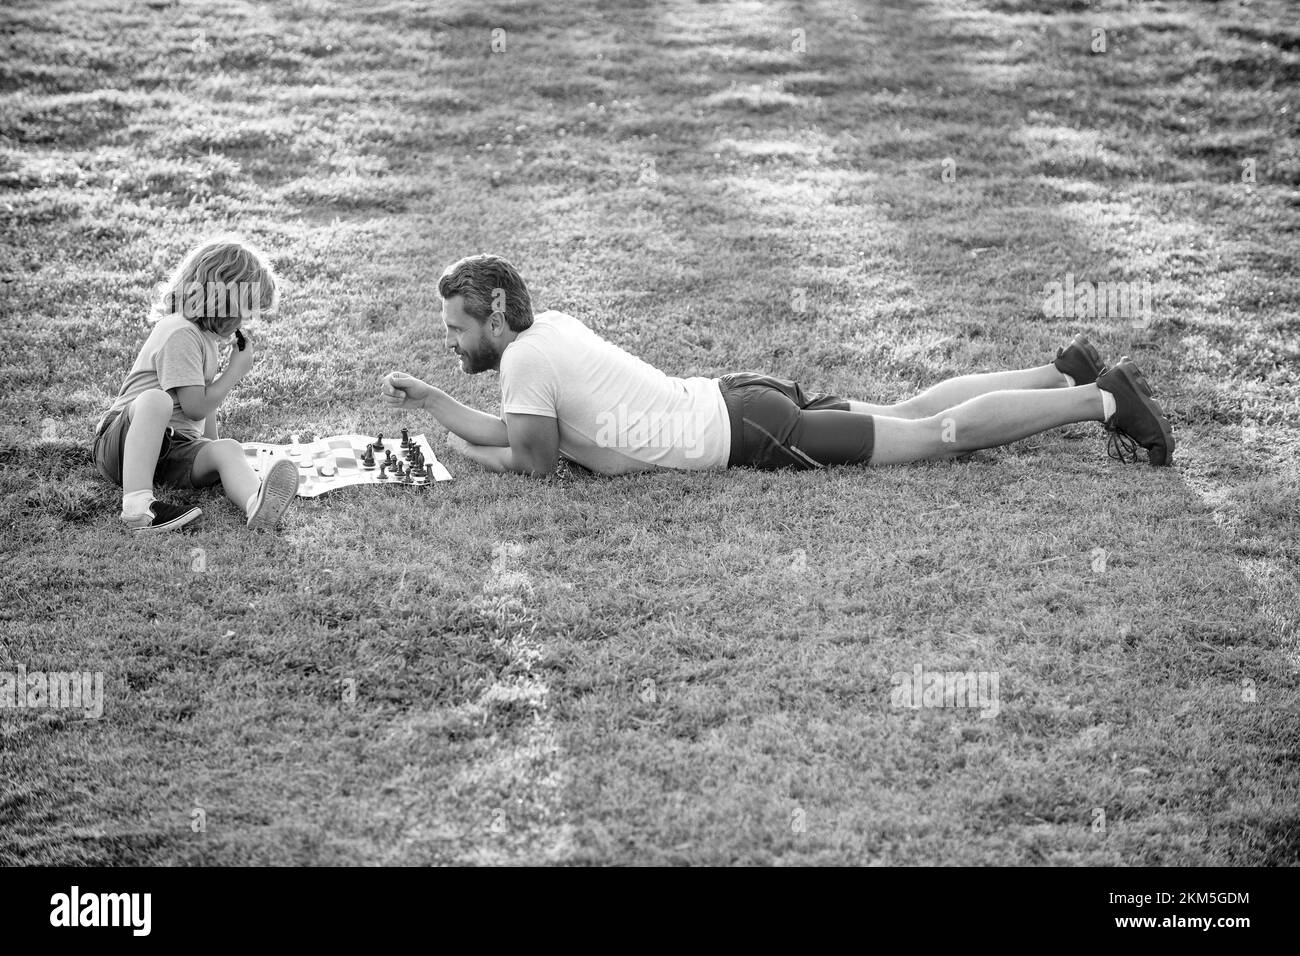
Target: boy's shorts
{"type": "Point", "coordinates": [175, 457]}
{"type": "Point", "coordinates": [766, 417]}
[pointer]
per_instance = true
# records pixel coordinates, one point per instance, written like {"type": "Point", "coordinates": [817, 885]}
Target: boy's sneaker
{"type": "Point", "coordinates": [1080, 361]}
{"type": "Point", "coordinates": [1138, 418]}
{"type": "Point", "coordinates": [161, 517]}
{"type": "Point", "coordinates": [275, 495]}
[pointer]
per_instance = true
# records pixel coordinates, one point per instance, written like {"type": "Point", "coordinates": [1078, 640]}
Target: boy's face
{"type": "Point", "coordinates": [470, 339]}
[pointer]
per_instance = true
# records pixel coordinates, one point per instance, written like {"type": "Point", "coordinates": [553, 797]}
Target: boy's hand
{"type": "Point", "coordinates": [405, 391]}
{"type": "Point", "coordinates": [241, 360]}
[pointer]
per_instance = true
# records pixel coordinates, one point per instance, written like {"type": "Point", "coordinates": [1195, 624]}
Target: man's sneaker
{"type": "Point", "coordinates": [161, 517]}
{"type": "Point", "coordinates": [1080, 361]}
{"type": "Point", "coordinates": [1138, 418]}
{"type": "Point", "coordinates": [276, 494]}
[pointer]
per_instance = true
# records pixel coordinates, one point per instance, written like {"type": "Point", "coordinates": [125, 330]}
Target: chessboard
{"type": "Point", "coordinates": [345, 460]}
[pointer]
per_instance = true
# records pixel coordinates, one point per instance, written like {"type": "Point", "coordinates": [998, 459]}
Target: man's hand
{"type": "Point", "coordinates": [478, 428]}
{"type": "Point", "coordinates": [405, 391]}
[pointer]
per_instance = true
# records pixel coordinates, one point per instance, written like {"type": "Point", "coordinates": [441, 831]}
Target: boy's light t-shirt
{"type": "Point", "coordinates": [177, 353]}
{"type": "Point", "coordinates": [616, 413]}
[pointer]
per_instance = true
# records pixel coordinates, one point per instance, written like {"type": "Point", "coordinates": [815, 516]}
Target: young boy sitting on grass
{"type": "Point", "coordinates": [162, 429]}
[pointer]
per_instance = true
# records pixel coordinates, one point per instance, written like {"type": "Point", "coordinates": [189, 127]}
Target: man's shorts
{"type": "Point", "coordinates": [766, 420]}
{"type": "Point", "coordinates": [175, 457]}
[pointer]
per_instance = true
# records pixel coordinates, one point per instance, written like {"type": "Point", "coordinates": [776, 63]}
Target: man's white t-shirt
{"type": "Point", "coordinates": [616, 413]}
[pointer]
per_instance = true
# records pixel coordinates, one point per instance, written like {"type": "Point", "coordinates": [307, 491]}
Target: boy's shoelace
{"type": "Point", "coordinates": [1120, 445]}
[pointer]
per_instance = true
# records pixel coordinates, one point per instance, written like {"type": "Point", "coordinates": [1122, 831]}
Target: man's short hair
{"type": "Point", "coordinates": [488, 284]}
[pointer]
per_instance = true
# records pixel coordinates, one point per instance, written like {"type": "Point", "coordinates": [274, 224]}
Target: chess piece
{"type": "Point", "coordinates": [379, 442]}
{"type": "Point", "coordinates": [368, 459]}
{"type": "Point", "coordinates": [390, 460]}
{"type": "Point", "coordinates": [406, 440]}
{"type": "Point", "coordinates": [383, 469]}
{"type": "Point", "coordinates": [401, 473]}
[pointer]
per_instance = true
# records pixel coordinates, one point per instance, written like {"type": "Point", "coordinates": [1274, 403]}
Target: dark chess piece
{"type": "Point", "coordinates": [379, 442]}
{"type": "Point", "coordinates": [406, 440]}
{"type": "Point", "coordinates": [383, 468]}
{"type": "Point", "coordinates": [390, 460]}
{"type": "Point", "coordinates": [368, 459]}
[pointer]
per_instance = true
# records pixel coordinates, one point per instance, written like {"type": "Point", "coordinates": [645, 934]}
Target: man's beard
{"type": "Point", "coordinates": [484, 358]}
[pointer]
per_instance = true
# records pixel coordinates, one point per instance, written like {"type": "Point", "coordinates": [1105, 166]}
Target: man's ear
{"type": "Point", "coordinates": [498, 320]}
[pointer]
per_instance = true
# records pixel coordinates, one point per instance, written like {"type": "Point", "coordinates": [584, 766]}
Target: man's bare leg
{"type": "Point", "coordinates": [954, 391]}
{"type": "Point", "coordinates": [985, 421]}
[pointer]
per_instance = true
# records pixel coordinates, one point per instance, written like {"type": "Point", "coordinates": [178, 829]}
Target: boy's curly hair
{"type": "Point", "coordinates": [219, 284]}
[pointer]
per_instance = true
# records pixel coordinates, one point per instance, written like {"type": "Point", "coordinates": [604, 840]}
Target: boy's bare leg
{"type": "Point", "coordinates": [225, 457]}
{"type": "Point", "coordinates": [985, 421]}
{"type": "Point", "coordinates": [150, 413]}
{"type": "Point", "coordinates": [954, 391]}
{"type": "Point", "coordinates": [263, 500]}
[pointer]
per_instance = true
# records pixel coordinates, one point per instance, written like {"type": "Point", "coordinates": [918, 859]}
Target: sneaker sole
{"type": "Point", "coordinates": [179, 521]}
{"type": "Point", "coordinates": [276, 494]}
{"type": "Point", "coordinates": [1137, 381]}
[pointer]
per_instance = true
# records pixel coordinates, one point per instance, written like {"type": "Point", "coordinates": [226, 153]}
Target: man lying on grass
{"type": "Point", "coordinates": [565, 391]}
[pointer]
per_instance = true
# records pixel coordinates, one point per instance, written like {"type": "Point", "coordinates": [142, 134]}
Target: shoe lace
{"type": "Point", "coordinates": [1120, 445]}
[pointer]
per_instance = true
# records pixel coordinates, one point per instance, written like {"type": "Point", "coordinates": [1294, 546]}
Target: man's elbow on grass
{"type": "Point", "coordinates": [533, 449]}
{"type": "Point", "coordinates": [534, 444]}
{"type": "Point", "coordinates": [530, 465]}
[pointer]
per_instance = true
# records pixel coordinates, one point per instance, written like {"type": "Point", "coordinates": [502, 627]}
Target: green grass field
{"type": "Point", "coordinates": [672, 668]}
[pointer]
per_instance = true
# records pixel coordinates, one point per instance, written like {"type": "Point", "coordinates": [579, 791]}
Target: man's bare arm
{"type": "Point", "coordinates": [533, 450]}
{"type": "Point", "coordinates": [477, 428]}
